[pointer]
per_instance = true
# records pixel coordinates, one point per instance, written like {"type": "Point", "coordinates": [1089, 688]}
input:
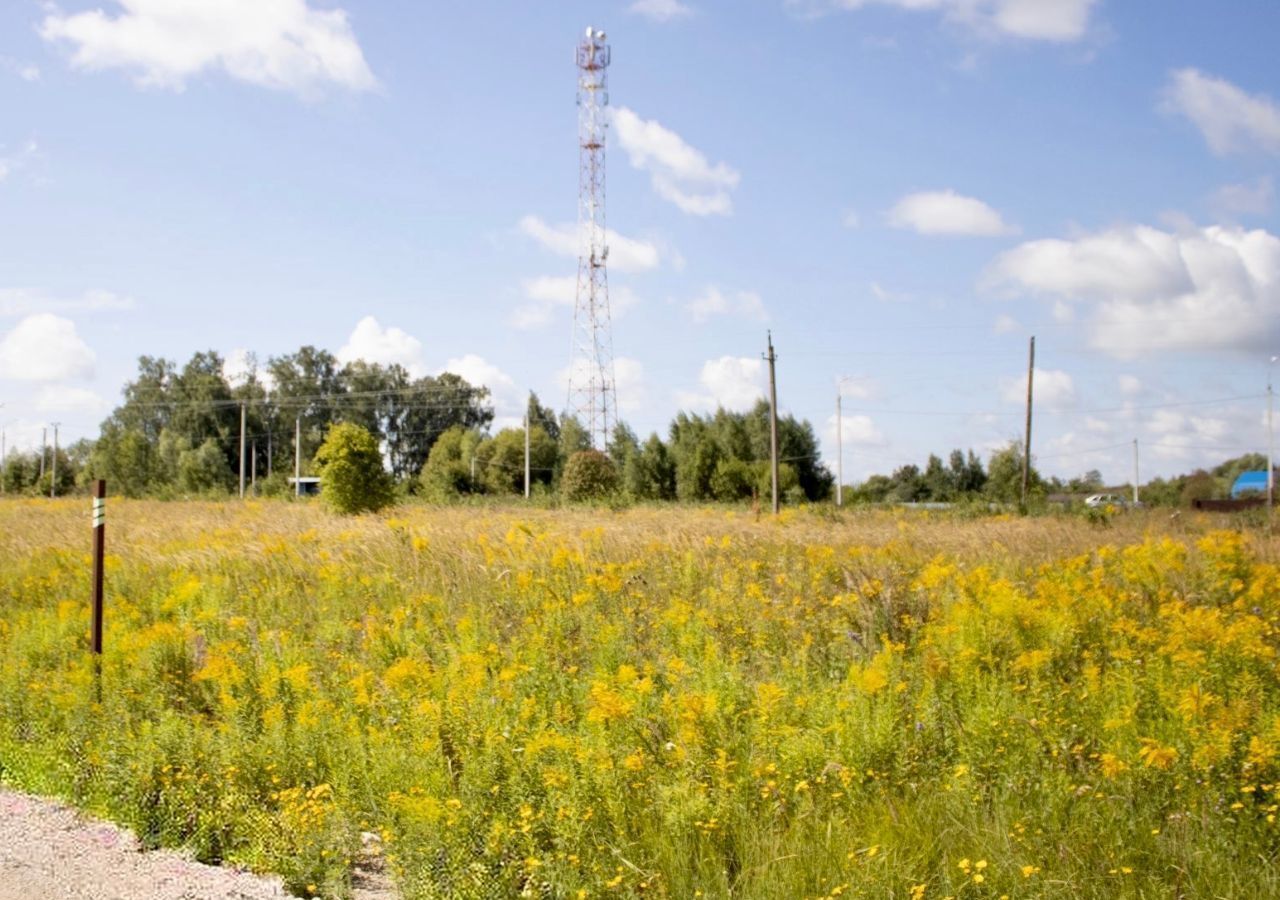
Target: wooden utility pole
{"type": "Point", "coordinates": [772, 358]}
{"type": "Point", "coordinates": [1026, 444]}
{"type": "Point", "coordinates": [242, 410]}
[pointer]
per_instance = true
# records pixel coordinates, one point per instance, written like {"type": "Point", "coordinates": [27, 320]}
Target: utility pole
{"type": "Point", "coordinates": [1135, 471]}
{"type": "Point", "coordinates": [772, 358]}
{"type": "Point", "coordinates": [526, 453]}
{"type": "Point", "coordinates": [53, 471]}
{"type": "Point", "coordinates": [297, 456]}
{"type": "Point", "coordinates": [242, 414]}
{"type": "Point", "coordinates": [44, 439]}
{"type": "Point", "coordinates": [1026, 445]}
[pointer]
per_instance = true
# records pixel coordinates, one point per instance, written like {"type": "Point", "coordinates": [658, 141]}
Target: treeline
{"type": "Point", "coordinates": [723, 456]}
{"type": "Point", "coordinates": [178, 433]}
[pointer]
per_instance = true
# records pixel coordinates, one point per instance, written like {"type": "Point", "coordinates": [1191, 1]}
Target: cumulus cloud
{"type": "Point", "coordinates": [1006, 324]}
{"type": "Point", "coordinates": [714, 302]}
{"type": "Point", "coordinates": [548, 293]}
{"type": "Point", "coordinates": [1253, 199]}
{"type": "Point", "coordinates": [1211, 288]}
{"type": "Point", "coordinates": [625, 254]}
{"type": "Point", "coordinates": [680, 173]}
{"type": "Point", "coordinates": [1130, 385]}
{"type": "Point", "coordinates": [387, 346]}
{"type": "Point", "coordinates": [45, 347]}
{"type": "Point", "coordinates": [732, 382]}
{"type": "Point", "coordinates": [1231, 120]}
{"type": "Point", "coordinates": [1058, 21]}
{"type": "Point", "coordinates": [660, 10]}
{"type": "Point", "coordinates": [947, 213]}
{"type": "Point", "coordinates": [1053, 389]}
{"type": "Point", "coordinates": [24, 301]}
{"type": "Point", "coordinates": [858, 431]}
{"type": "Point", "coordinates": [280, 44]}
{"type": "Point", "coordinates": [240, 364]}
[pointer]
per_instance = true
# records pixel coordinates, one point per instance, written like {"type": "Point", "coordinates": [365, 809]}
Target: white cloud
{"type": "Point", "coordinates": [1231, 120]}
{"type": "Point", "coordinates": [625, 254]}
{"type": "Point", "coordinates": [26, 71]}
{"type": "Point", "coordinates": [507, 396]}
{"type": "Point", "coordinates": [59, 398]}
{"type": "Point", "coordinates": [858, 430]}
{"type": "Point", "coordinates": [1006, 324]}
{"type": "Point", "coordinates": [1059, 21]}
{"type": "Point", "coordinates": [850, 219]}
{"type": "Point", "coordinates": [45, 347]}
{"type": "Point", "coordinates": [947, 213]}
{"type": "Point", "coordinates": [733, 382]}
{"type": "Point", "coordinates": [1053, 389]}
{"type": "Point", "coordinates": [713, 302]}
{"type": "Point", "coordinates": [1130, 385]}
{"type": "Point", "coordinates": [1244, 199]}
{"type": "Point", "coordinates": [240, 363]}
{"type": "Point", "coordinates": [547, 293]}
{"type": "Point", "coordinates": [660, 10]}
{"type": "Point", "coordinates": [23, 301]}
{"type": "Point", "coordinates": [281, 44]}
{"type": "Point", "coordinates": [1211, 288]}
{"type": "Point", "coordinates": [387, 346]}
{"type": "Point", "coordinates": [630, 384]}
{"type": "Point", "coordinates": [679, 173]}
{"type": "Point", "coordinates": [1176, 435]}
{"type": "Point", "coordinates": [12, 162]}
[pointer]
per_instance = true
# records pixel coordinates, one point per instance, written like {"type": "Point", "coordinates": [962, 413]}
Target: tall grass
{"type": "Point", "coordinates": [660, 702]}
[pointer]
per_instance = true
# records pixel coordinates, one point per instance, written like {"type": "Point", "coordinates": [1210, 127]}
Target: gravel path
{"type": "Point", "coordinates": [49, 851]}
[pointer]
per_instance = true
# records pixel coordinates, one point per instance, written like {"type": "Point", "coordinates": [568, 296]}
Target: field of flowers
{"type": "Point", "coordinates": [659, 702]}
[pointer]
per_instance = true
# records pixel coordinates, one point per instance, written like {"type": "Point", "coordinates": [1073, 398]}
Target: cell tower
{"type": "Point", "coordinates": [592, 395]}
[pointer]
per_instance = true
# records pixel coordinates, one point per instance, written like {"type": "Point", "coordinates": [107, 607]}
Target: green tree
{"type": "Point", "coordinates": [502, 460]}
{"type": "Point", "coordinates": [447, 471]}
{"type": "Point", "coordinates": [352, 476]}
{"type": "Point", "coordinates": [650, 474]}
{"type": "Point", "coordinates": [588, 475]}
{"type": "Point", "coordinates": [203, 469]}
{"type": "Point", "coordinates": [124, 457]}
{"type": "Point", "coordinates": [1004, 476]}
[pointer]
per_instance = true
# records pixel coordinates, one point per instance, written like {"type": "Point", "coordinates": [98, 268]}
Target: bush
{"type": "Point", "coordinates": [350, 467]}
{"type": "Point", "coordinates": [588, 475]}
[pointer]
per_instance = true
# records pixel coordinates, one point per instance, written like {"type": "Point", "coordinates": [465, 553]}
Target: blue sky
{"type": "Point", "coordinates": [902, 190]}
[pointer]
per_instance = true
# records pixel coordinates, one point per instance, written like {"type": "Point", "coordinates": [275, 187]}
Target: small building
{"type": "Point", "coordinates": [306, 486]}
{"type": "Point", "coordinates": [1249, 483]}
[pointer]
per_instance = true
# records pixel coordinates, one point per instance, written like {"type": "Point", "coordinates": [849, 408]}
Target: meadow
{"type": "Point", "coordinates": [658, 701]}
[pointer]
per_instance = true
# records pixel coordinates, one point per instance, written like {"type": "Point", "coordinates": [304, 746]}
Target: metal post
{"type": "Point", "coordinates": [297, 456]}
{"type": "Point", "coordinates": [839, 452]}
{"type": "Point", "coordinates": [526, 454]}
{"type": "Point", "coordinates": [99, 543]}
{"type": "Point", "coordinates": [773, 422]}
{"type": "Point", "coordinates": [242, 413]}
{"type": "Point", "coordinates": [1026, 447]}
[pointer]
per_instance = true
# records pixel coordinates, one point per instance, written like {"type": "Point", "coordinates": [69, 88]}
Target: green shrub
{"type": "Point", "coordinates": [352, 477]}
{"type": "Point", "coordinates": [588, 475]}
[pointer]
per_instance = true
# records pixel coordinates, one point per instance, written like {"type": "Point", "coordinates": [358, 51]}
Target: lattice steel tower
{"type": "Point", "coordinates": [592, 394]}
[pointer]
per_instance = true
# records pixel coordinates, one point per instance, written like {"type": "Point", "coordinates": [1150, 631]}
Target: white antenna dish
{"type": "Point", "coordinates": [589, 29]}
{"type": "Point", "coordinates": [600, 35]}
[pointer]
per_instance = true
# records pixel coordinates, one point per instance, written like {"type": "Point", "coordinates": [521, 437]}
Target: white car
{"type": "Point", "coordinates": [1095, 501]}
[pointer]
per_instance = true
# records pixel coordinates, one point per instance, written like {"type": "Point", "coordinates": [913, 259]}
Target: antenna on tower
{"type": "Point", "coordinates": [592, 394]}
